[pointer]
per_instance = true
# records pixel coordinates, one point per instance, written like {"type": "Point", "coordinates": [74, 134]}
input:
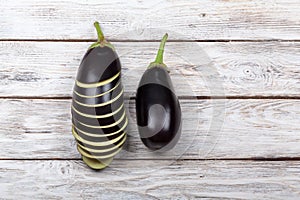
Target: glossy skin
{"type": "Point", "coordinates": [99, 130]}
{"type": "Point", "coordinates": [96, 90]}
{"type": "Point", "coordinates": [103, 98]}
{"type": "Point", "coordinates": [104, 147]}
{"type": "Point", "coordinates": [101, 121]}
{"type": "Point", "coordinates": [98, 114]}
{"type": "Point", "coordinates": [98, 64]}
{"type": "Point", "coordinates": [104, 109]}
{"type": "Point", "coordinates": [158, 110]}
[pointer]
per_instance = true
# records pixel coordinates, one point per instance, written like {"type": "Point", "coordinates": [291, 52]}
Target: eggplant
{"type": "Point", "coordinates": [99, 118]}
{"type": "Point", "coordinates": [158, 110]}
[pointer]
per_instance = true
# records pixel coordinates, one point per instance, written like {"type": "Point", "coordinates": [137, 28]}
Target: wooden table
{"type": "Point", "coordinates": [235, 67]}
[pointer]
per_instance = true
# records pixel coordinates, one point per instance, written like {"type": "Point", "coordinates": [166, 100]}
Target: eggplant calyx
{"type": "Point", "coordinates": [160, 54]}
{"type": "Point", "coordinates": [155, 64]}
{"type": "Point", "coordinates": [101, 42]}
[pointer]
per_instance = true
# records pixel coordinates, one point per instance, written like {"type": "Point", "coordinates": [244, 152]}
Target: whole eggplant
{"type": "Point", "coordinates": [98, 113]}
{"type": "Point", "coordinates": [158, 110]}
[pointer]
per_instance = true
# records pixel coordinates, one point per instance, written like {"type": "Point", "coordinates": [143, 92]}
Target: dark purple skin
{"type": "Point", "coordinates": [101, 99]}
{"type": "Point", "coordinates": [158, 110]}
{"type": "Point", "coordinates": [97, 90]}
{"type": "Point", "coordinates": [101, 131]}
{"type": "Point", "coordinates": [90, 72]}
{"type": "Point", "coordinates": [93, 71]}
{"type": "Point", "coordinates": [99, 119]}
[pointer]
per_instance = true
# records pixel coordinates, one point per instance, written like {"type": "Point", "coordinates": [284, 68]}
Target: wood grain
{"type": "Point", "coordinates": [42, 43]}
{"type": "Point", "coordinates": [131, 180]}
{"type": "Point", "coordinates": [48, 69]}
{"type": "Point", "coordinates": [144, 20]}
{"type": "Point", "coordinates": [212, 129]}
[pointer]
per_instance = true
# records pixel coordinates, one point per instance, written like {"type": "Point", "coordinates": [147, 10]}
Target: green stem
{"type": "Point", "coordinates": [101, 42]}
{"type": "Point", "coordinates": [99, 32]}
{"type": "Point", "coordinates": [160, 53]}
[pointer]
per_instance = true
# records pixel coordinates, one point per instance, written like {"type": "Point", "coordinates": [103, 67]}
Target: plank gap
{"type": "Point", "coordinates": [158, 40]}
{"type": "Point", "coordinates": [180, 97]}
{"type": "Point", "coordinates": [262, 159]}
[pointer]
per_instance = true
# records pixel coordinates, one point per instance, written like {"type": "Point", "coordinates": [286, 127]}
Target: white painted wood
{"type": "Point", "coordinates": [126, 179]}
{"type": "Point", "coordinates": [212, 129]}
{"type": "Point", "coordinates": [48, 69]}
{"type": "Point", "coordinates": [145, 20]}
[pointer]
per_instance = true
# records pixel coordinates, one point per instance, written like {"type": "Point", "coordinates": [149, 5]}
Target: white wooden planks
{"type": "Point", "coordinates": [48, 69]}
{"type": "Point", "coordinates": [258, 71]}
{"type": "Point", "coordinates": [149, 20]}
{"type": "Point", "coordinates": [212, 129]}
{"type": "Point", "coordinates": [126, 179]}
